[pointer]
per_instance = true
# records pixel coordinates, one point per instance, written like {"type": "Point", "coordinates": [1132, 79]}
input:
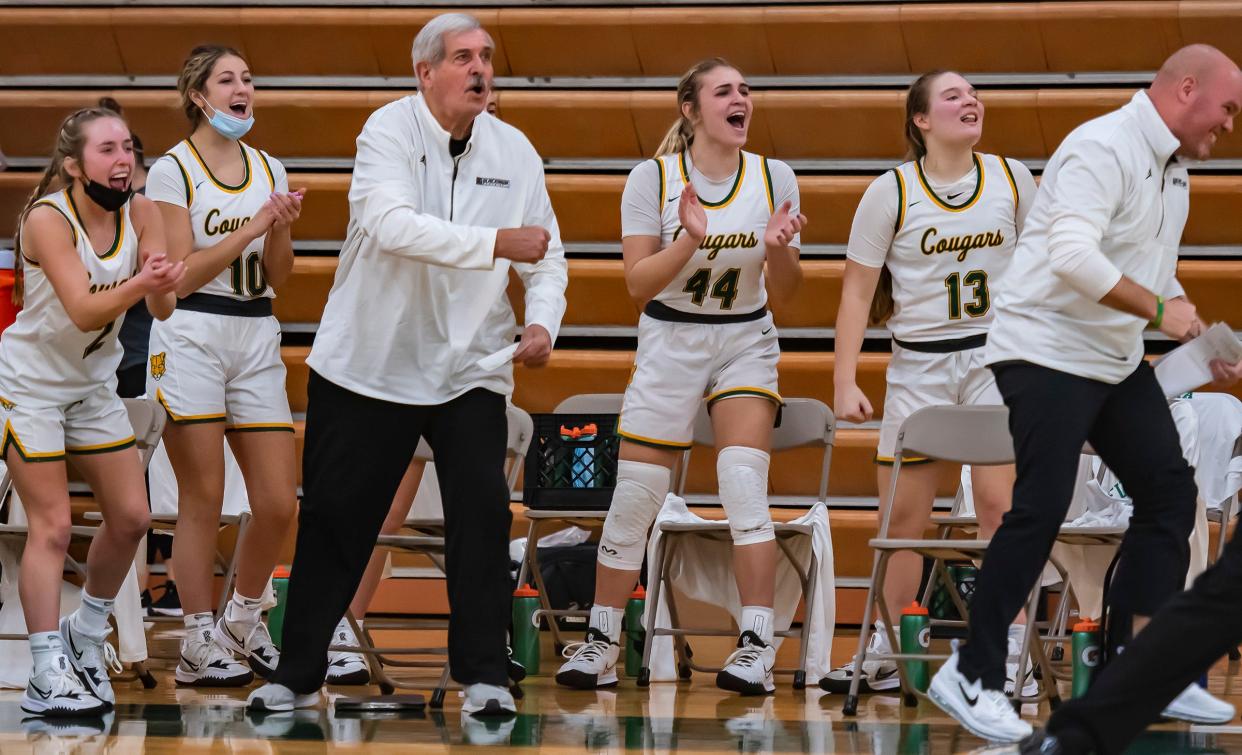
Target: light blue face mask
{"type": "Point", "coordinates": [230, 126]}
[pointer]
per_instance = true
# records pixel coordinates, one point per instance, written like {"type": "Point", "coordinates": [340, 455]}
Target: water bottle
{"type": "Point", "coordinates": [8, 310]}
{"type": "Point", "coordinates": [1086, 648]}
{"type": "Point", "coordinates": [583, 469]}
{"type": "Point", "coordinates": [634, 631]}
{"type": "Point", "coordinates": [276, 616]}
{"type": "Point", "coordinates": [915, 639]}
{"type": "Point", "coordinates": [525, 631]}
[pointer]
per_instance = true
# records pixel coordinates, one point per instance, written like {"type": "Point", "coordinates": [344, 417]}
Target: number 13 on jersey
{"type": "Point", "coordinates": [981, 300]}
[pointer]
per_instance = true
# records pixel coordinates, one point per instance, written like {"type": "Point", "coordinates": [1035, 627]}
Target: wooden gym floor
{"type": "Point", "coordinates": [695, 717]}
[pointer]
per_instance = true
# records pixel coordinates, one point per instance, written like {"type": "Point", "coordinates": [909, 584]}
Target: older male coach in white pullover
{"type": "Point", "coordinates": [444, 197]}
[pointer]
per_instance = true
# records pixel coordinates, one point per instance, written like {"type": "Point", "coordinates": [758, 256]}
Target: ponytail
{"type": "Point", "coordinates": [882, 301]}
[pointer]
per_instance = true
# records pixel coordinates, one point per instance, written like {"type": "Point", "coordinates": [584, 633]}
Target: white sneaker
{"type": "Point", "coordinates": [1030, 687]}
{"type": "Point", "coordinates": [1198, 706]}
{"type": "Point", "coordinates": [253, 643]}
{"type": "Point", "coordinates": [279, 698]}
{"type": "Point", "coordinates": [748, 670]}
{"type": "Point", "coordinates": [592, 663]}
{"type": "Point", "coordinates": [205, 663]}
{"type": "Point", "coordinates": [345, 667]}
{"type": "Point", "coordinates": [986, 713]}
{"type": "Point", "coordinates": [487, 700]}
{"type": "Point", "coordinates": [92, 658]}
{"type": "Point", "coordinates": [877, 676]}
{"type": "Point", "coordinates": [57, 691]}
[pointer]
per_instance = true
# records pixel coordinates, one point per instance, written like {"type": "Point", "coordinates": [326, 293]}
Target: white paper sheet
{"type": "Point", "coordinates": [494, 360]}
{"type": "Point", "coordinates": [1186, 368]}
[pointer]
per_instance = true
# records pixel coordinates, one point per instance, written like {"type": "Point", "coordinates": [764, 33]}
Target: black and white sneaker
{"type": "Point", "coordinates": [206, 663]}
{"type": "Point", "coordinates": [92, 658]}
{"type": "Point", "coordinates": [592, 663]}
{"type": "Point", "coordinates": [252, 643]}
{"type": "Point", "coordinates": [57, 691]}
{"type": "Point", "coordinates": [877, 676]}
{"type": "Point", "coordinates": [485, 700]}
{"type": "Point", "coordinates": [345, 667]}
{"type": "Point", "coordinates": [748, 670]}
{"type": "Point", "coordinates": [277, 698]}
{"type": "Point", "coordinates": [986, 713]}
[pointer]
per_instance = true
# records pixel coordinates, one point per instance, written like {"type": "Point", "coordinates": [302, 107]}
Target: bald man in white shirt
{"type": "Point", "coordinates": [1094, 267]}
{"type": "Point", "coordinates": [444, 200]}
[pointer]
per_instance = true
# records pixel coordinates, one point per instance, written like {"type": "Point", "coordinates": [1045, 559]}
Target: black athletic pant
{"type": "Point", "coordinates": [1051, 414]}
{"type": "Point", "coordinates": [1190, 633]}
{"type": "Point", "coordinates": [357, 450]}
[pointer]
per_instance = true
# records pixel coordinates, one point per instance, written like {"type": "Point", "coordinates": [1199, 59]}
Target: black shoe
{"type": "Point", "coordinates": [169, 603]}
{"type": "Point", "coordinates": [1041, 743]}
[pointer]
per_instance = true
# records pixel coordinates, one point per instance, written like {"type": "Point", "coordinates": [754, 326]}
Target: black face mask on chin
{"type": "Point", "coordinates": [105, 196]}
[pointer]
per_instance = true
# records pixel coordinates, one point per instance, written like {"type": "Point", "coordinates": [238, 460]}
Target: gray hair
{"type": "Point", "coordinates": [428, 46]}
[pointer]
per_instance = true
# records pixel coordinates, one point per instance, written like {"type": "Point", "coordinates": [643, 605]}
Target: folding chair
{"type": "Point", "coordinates": [147, 419]}
{"type": "Point", "coordinates": [805, 423]}
{"type": "Point", "coordinates": [426, 537]}
{"type": "Point", "coordinates": [540, 519]}
{"type": "Point", "coordinates": [975, 435]}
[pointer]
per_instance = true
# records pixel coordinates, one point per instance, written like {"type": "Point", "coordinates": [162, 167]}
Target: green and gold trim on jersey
{"type": "Point", "coordinates": [943, 204]}
{"type": "Point", "coordinates": [186, 419]}
{"type": "Point", "coordinates": [185, 179]}
{"type": "Point", "coordinates": [901, 200]}
{"type": "Point", "coordinates": [9, 439]}
{"type": "Point", "coordinates": [73, 227]}
{"type": "Point", "coordinates": [652, 442]}
{"type": "Point", "coordinates": [767, 184]}
{"type": "Point", "coordinates": [101, 448]}
{"type": "Point", "coordinates": [733, 191]}
{"type": "Point", "coordinates": [1012, 183]}
{"type": "Point", "coordinates": [238, 189]}
{"type": "Point", "coordinates": [259, 427]}
{"type": "Point", "coordinates": [746, 390]}
{"type": "Point", "coordinates": [267, 168]}
{"type": "Point", "coordinates": [117, 239]}
{"type": "Point", "coordinates": [663, 182]}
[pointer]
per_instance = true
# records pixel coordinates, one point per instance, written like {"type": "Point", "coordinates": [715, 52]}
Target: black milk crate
{"type": "Point", "coordinates": [563, 473]}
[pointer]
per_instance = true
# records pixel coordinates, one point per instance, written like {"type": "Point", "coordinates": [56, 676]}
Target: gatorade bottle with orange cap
{"type": "Point", "coordinates": [634, 631]}
{"type": "Point", "coordinates": [276, 617]}
{"type": "Point", "coordinates": [915, 639]}
{"type": "Point", "coordinates": [525, 640]}
{"type": "Point", "coordinates": [1086, 648]}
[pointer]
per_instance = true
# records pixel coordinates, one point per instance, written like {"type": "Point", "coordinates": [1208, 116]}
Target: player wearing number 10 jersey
{"type": "Point", "coordinates": [215, 366]}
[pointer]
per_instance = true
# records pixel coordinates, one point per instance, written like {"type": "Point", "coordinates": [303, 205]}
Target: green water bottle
{"type": "Point", "coordinates": [915, 639]}
{"type": "Point", "coordinates": [276, 616]}
{"type": "Point", "coordinates": [634, 631]}
{"type": "Point", "coordinates": [525, 639]}
{"type": "Point", "coordinates": [1086, 648]}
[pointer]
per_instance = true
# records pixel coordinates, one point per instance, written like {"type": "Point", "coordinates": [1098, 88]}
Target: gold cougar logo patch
{"type": "Point", "coordinates": [157, 365]}
{"type": "Point", "coordinates": [8, 405]}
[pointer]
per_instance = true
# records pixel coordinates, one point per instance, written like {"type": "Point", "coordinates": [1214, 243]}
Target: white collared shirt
{"type": "Point", "coordinates": [1113, 201]}
{"type": "Point", "coordinates": [418, 298]}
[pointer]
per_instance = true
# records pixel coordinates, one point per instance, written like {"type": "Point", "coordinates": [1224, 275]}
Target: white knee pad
{"type": "Point", "coordinates": [641, 489]}
{"type": "Point", "coordinates": [743, 476]}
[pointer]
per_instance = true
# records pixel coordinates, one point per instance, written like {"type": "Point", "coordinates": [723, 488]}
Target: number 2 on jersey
{"type": "Point", "coordinates": [248, 278]}
{"type": "Point", "coordinates": [978, 282]}
{"type": "Point", "coordinates": [97, 344]}
{"type": "Point", "coordinates": [724, 289]}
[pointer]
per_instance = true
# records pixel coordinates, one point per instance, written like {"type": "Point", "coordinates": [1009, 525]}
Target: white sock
{"type": "Point", "coordinates": [883, 645]}
{"type": "Point", "coordinates": [1016, 633]}
{"type": "Point", "coordinates": [608, 621]}
{"type": "Point", "coordinates": [758, 619]}
{"type": "Point", "coordinates": [91, 618]}
{"type": "Point", "coordinates": [203, 620]}
{"type": "Point", "coordinates": [243, 610]}
{"type": "Point", "coordinates": [45, 648]}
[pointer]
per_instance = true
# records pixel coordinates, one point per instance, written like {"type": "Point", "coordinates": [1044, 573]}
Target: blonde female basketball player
{"type": "Point", "coordinates": [90, 251]}
{"type": "Point", "coordinates": [215, 365]}
{"type": "Point", "coordinates": [944, 226]}
{"type": "Point", "coordinates": [707, 231]}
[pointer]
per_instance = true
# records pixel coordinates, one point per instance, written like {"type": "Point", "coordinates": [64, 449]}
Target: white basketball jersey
{"type": "Point", "coordinates": [217, 209]}
{"type": "Point", "coordinates": [949, 252]}
{"type": "Point", "coordinates": [725, 275]}
{"type": "Point", "coordinates": [44, 358]}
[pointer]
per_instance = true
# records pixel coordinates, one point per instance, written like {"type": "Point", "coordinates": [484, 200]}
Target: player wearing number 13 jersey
{"type": "Point", "coordinates": [936, 233]}
{"type": "Point", "coordinates": [215, 366]}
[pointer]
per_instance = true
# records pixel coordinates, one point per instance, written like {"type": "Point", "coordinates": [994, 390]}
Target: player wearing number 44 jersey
{"type": "Point", "coordinates": [936, 234]}
{"type": "Point", "coordinates": [215, 366]}
{"type": "Point", "coordinates": [707, 230]}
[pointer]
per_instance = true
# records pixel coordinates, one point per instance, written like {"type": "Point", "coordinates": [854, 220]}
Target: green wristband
{"type": "Point", "coordinates": [1159, 318]}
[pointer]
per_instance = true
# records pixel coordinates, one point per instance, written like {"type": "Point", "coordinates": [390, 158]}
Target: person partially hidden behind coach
{"type": "Point", "coordinates": [444, 197]}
